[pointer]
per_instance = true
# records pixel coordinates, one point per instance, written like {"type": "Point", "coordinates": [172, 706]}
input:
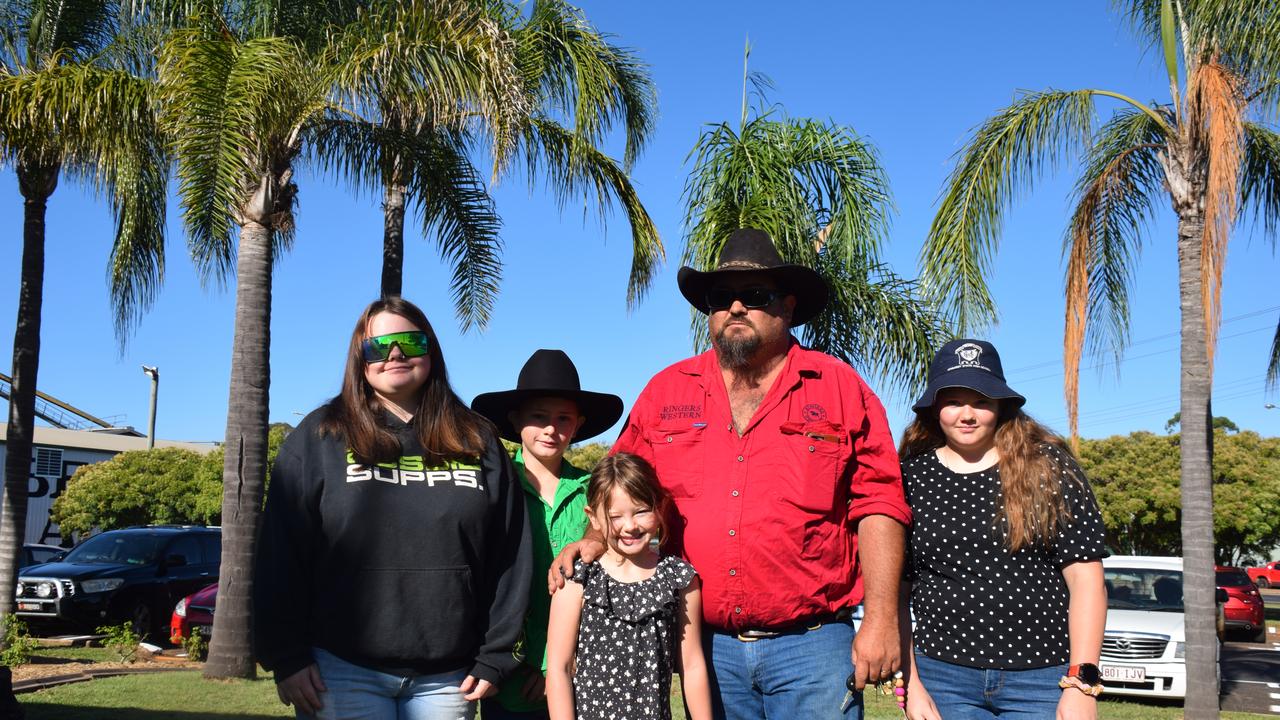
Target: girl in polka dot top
{"type": "Point", "coordinates": [1005, 575]}
{"type": "Point", "coordinates": [624, 623]}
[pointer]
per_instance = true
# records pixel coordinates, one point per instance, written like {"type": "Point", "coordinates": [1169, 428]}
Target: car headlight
{"type": "Point", "coordinates": [1180, 650]}
{"type": "Point", "coordinates": [101, 585]}
{"type": "Point", "coordinates": [181, 608]}
{"type": "Point", "coordinates": [45, 590]}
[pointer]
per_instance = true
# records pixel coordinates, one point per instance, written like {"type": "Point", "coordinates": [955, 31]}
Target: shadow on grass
{"type": "Point", "coordinates": [69, 712]}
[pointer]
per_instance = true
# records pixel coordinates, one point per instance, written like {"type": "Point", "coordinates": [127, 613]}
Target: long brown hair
{"type": "Point", "coordinates": [446, 427]}
{"type": "Point", "coordinates": [637, 479]}
{"type": "Point", "coordinates": [1033, 507]}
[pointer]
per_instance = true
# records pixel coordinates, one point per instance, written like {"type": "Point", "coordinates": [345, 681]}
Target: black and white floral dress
{"type": "Point", "coordinates": [627, 638]}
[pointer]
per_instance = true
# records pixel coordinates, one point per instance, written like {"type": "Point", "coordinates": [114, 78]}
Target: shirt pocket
{"type": "Point", "coordinates": [815, 453]}
{"type": "Point", "coordinates": [678, 454]}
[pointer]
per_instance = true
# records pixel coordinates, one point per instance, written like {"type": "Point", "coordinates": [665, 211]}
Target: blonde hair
{"type": "Point", "coordinates": [1033, 509]}
{"type": "Point", "coordinates": [636, 477]}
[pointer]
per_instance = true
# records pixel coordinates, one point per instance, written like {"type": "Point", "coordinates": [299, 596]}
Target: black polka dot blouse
{"type": "Point", "coordinates": [627, 640]}
{"type": "Point", "coordinates": [975, 603]}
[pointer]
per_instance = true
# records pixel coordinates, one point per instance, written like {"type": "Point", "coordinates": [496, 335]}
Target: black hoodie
{"type": "Point", "coordinates": [398, 567]}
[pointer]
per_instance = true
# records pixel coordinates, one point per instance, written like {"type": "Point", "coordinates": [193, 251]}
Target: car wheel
{"type": "Point", "coordinates": [1263, 582]}
{"type": "Point", "coordinates": [142, 620]}
{"type": "Point", "coordinates": [1259, 636]}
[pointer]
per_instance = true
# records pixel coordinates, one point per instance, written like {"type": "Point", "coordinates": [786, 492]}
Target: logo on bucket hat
{"type": "Point", "coordinates": [969, 355]}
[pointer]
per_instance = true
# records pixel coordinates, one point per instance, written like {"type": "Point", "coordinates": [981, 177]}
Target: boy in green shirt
{"type": "Point", "coordinates": [546, 412]}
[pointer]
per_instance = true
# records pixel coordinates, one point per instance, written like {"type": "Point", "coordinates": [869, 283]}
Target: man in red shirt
{"type": "Point", "coordinates": [787, 489]}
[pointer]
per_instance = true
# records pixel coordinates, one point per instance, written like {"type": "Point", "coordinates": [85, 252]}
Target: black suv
{"type": "Point", "coordinates": [136, 575]}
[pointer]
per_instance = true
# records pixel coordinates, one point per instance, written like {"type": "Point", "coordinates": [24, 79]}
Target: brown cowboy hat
{"type": "Point", "coordinates": [549, 373]}
{"type": "Point", "coordinates": [751, 250]}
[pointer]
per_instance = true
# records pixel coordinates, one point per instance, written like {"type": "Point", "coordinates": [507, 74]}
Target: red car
{"type": "Point", "coordinates": [1245, 610]}
{"type": "Point", "coordinates": [1266, 576]}
{"type": "Point", "coordinates": [193, 611]}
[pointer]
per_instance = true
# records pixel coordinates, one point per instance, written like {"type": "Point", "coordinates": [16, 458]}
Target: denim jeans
{"type": "Point", "coordinates": [965, 693]}
{"type": "Point", "coordinates": [780, 678]}
{"type": "Point", "coordinates": [358, 693]}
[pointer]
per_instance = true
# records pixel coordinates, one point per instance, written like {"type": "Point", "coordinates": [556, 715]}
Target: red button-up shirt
{"type": "Point", "coordinates": [769, 518]}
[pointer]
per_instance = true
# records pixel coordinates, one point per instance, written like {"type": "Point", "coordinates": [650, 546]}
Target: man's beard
{"type": "Point", "coordinates": [735, 353]}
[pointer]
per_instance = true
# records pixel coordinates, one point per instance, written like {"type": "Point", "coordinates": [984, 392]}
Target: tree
{"type": "Point", "coordinates": [587, 456]}
{"type": "Point", "coordinates": [1135, 478]}
{"type": "Point", "coordinates": [1219, 423]}
{"type": "Point", "coordinates": [246, 90]}
{"type": "Point", "coordinates": [1202, 154]}
{"type": "Point", "coordinates": [161, 486]}
{"type": "Point", "coordinates": [74, 100]}
{"type": "Point", "coordinates": [819, 191]}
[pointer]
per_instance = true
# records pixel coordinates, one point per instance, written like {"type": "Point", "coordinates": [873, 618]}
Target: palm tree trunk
{"type": "Point", "coordinates": [393, 201]}
{"type": "Point", "coordinates": [244, 469]}
{"type": "Point", "coordinates": [1197, 479]}
{"type": "Point", "coordinates": [37, 182]}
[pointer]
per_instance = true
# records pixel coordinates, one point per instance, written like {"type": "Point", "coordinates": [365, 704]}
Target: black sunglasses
{"type": "Point", "coordinates": [753, 298]}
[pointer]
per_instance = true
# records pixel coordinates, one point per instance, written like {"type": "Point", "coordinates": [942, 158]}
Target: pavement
{"type": "Point", "coordinates": [1251, 671]}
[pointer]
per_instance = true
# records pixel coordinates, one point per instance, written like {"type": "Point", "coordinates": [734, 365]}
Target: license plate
{"type": "Point", "coordinates": [1123, 673]}
{"type": "Point", "coordinates": [30, 606]}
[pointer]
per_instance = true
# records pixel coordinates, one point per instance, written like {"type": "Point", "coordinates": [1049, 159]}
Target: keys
{"type": "Point", "coordinates": [851, 695]}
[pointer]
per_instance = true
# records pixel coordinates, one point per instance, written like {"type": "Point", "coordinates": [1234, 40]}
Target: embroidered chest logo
{"type": "Point", "coordinates": [413, 469]}
{"type": "Point", "coordinates": [814, 412]}
{"type": "Point", "coordinates": [673, 412]}
{"type": "Point", "coordinates": [969, 355]}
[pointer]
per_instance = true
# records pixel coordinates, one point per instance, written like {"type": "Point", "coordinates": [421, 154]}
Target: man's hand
{"type": "Point", "coordinates": [302, 690]}
{"type": "Point", "coordinates": [876, 652]}
{"type": "Point", "coordinates": [473, 689]}
{"type": "Point", "coordinates": [588, 549]}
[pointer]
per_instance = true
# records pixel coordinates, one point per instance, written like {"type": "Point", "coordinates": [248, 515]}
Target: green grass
{"type": "Point", "coordinates": [72, 654]}
{"type": "Point", "coordinates": [180, 695]}
{"type": "Point", "coordinates": [185, 695]}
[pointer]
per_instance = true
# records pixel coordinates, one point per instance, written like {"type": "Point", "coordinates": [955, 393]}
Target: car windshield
{"type": "Point", "coordinates": [1144, 589]}
{"type": "Point", "coordinates": [117, 548]}
{"type": "Point", "coordinates": [1233, 578]}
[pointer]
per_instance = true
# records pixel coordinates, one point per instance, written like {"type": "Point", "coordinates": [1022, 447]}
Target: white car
{"type": "Point", "coordinates": [1144, 648]}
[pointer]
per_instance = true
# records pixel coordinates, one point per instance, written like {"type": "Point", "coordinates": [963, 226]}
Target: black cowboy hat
{"type": "Point", "coordinates": [750, 250]}
{"type": "Point", "coordinates": [549, 373]}
{"type": "Point", "coordinates": [967, 363]}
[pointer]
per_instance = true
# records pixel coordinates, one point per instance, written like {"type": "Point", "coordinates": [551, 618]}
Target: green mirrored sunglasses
{"type": "Point", "coordinates": [413, 343]}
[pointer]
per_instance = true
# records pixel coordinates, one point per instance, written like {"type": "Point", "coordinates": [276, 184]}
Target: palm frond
{"type": "Point", "coordinates": [597, 179]}
{"type": "Point", "coordinates": [1006, 154]}
{"type": "Point", "coordinates": [1273, 366]}
{"type": "Point", "coordinates": [438, 62]}
{"type": "Point", "coordinates": [1260, 177]}
{"type": "Point", "coordinates": [580, 77]}
{"type": "Point", "coordinates": [1216, 113]}
{"type": "Point", "coordinates": [68, 30]}
{"type": "Point", "coordinates": [880, 324]}
{"type": "Point", "coordinates": [235, 110]}
{"type": "Point", "coordinates": [1116, 195]}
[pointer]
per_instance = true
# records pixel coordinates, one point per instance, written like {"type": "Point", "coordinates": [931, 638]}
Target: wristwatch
{"type": "Point", "coordinates": [1086, 677]}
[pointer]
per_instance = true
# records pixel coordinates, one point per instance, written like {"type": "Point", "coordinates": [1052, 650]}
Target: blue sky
{"type": "Point", "coordinates": [912, 78]}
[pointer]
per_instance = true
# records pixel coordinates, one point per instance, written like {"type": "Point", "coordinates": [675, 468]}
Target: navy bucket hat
{"type": "Point", "coordinates": [968, 363]}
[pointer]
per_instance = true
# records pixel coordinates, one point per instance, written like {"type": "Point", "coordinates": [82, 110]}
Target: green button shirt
{"type": "Point", "coordinates": [551, 527]}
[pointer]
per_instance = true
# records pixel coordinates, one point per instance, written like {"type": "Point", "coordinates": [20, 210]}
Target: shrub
{"type": "Point", "coordinates": [18, 643]}
{"type": "Point", "coordinates": [122, 640]}
{"type": "Point", "coordinates": [196, 646]}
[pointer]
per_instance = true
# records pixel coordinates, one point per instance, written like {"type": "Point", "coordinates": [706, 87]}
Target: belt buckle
{"type": "Point", "coordinates": [752, 635]}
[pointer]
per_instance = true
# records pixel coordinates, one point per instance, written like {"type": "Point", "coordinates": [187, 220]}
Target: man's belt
{"type": "Point", "coordinates": [804, 626]}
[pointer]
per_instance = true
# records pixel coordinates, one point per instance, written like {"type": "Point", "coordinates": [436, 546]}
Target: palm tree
{"type": "Point", "coordinates": [71, 104]}
{"type": "Point", "coordinates": [566, 68]}
{"type": "Point", "coordinates": [820, 192]}
{"type": "Point", "coordinates": [245, 93]}
{"type": "Point", "coordinates": [1201, 152]}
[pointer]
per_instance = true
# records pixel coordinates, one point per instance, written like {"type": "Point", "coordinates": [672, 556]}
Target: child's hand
{"type": "Point", "coordinates": [534, 687]}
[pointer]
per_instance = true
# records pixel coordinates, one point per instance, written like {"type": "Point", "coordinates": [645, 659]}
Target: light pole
{"type": "Point", "coordinates": [154, 374]}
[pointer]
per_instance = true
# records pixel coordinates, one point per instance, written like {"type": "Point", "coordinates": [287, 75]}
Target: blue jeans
{"type": "Point", "coordinates": [780, 678]}
{"type": "Point", "coordinates": [358, 693]}
{"type": "Point", "coordinates": [964, 693]}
